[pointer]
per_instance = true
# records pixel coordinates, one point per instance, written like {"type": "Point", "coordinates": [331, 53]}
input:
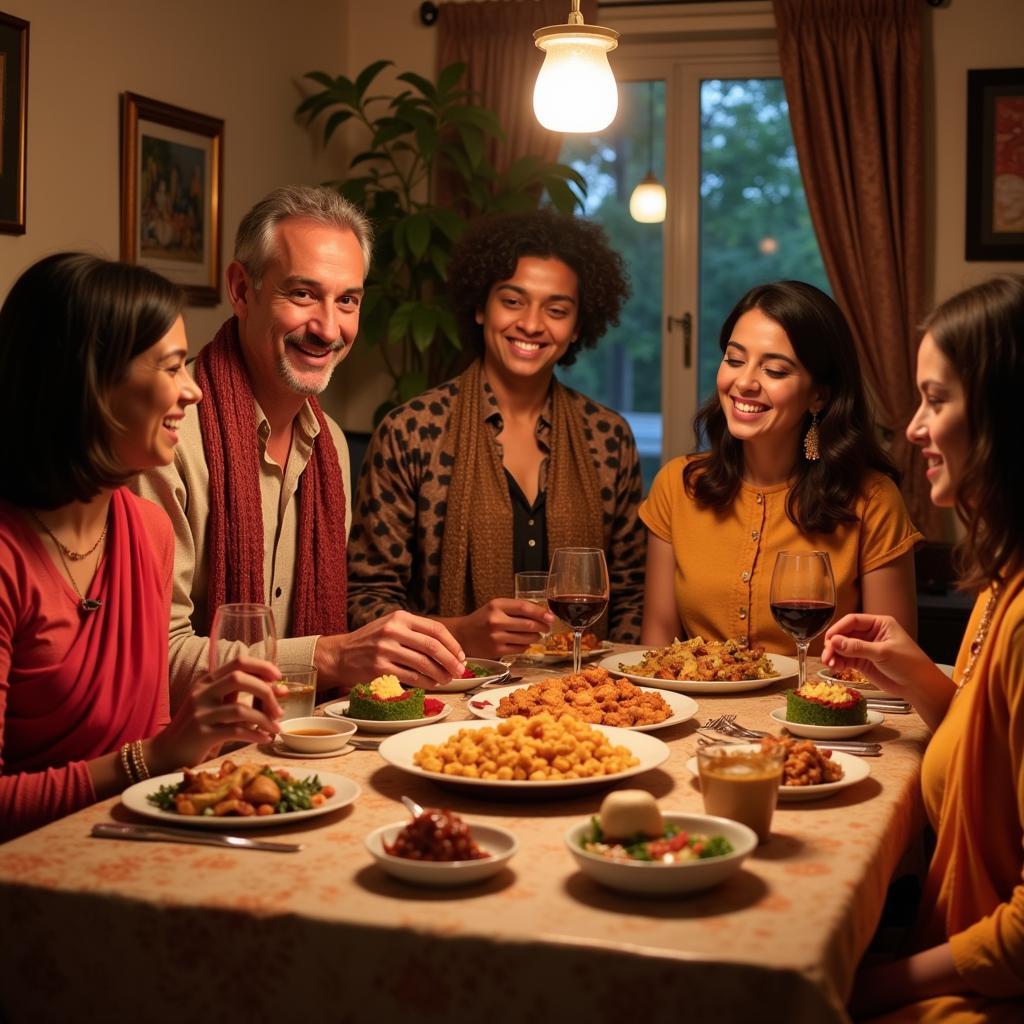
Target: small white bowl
{"type": "Point", "coordinates": [684, 876]}
{"type": "Point", "coordinates": [498, 842]}
{"type": "Point", "coordinates": [338, 729]}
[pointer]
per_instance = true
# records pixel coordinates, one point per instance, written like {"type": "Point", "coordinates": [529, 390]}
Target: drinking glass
{"type": "Point", "coordinates": [741, 785]}
{"type": "Point", "coordinates": [578, 591]}
{"type": "Point", "coordinates": [533, 586]}
{"type": "Point", "coordinates": [238, 626]}
{"type": "Point", "coordinates": [300, 684]}
{"type": "Point", "coordinates": [803, 598]}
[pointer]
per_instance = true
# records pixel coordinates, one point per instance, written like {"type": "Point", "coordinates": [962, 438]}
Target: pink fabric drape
{"type": "Point", "coordinates": [494, 39]}
{"type": "Point", "coordinates": [853, 76]}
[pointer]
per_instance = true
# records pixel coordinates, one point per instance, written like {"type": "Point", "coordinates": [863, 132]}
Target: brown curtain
{"type": "Point", "coordinates": [494, 38]}
{"type": "Point", "coordinates": [853, 76]}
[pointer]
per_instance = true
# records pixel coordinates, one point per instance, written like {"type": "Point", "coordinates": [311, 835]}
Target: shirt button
{"type": "Point", "coordinates": [755, 534]}
{"type": "Point", "coordinates": [532, 543]}
{"type": "Point", "coordinates": [743, 613]}
{"type": "Point", "coordinates": [744, 576]}
{"type": "Point", "coordinates": [529, 522]}
{"type": "Point", "coordinates": [277, 593]}
{"type": "Point", "coordinates": [760, 499]}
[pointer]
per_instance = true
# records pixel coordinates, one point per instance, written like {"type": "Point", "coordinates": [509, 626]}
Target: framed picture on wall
{"type": "Point", "coordinates": [995, 164]}
{"type": "Point", "coordinates": [171, 180]}
{"type": "Point", "coordinates": [13, 122]}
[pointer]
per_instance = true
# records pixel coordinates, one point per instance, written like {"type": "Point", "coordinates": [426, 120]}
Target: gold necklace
{"type": "Point", "coordinates": [980, 635]}
{"type": "Point", "coordinates": [87, 604]}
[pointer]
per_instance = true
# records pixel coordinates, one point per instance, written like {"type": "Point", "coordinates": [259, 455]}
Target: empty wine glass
{"type": "Point", "coordinates": [242, 629]}
{"type": "Point", "coordinates": [803, 598]}
{"type": "Point", "coordinates": [578, 591]}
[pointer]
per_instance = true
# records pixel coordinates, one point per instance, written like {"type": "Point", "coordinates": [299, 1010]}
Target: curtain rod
{"type": "Point", "coordinates": [429, 11]}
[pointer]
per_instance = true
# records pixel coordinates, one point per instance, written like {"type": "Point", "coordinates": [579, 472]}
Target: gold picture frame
{"type": "Point", "coordinates": [171, 185]}
{"type": "Point", "coordinates": [13, 122]}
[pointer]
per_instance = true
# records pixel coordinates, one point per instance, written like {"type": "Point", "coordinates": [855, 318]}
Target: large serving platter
{"type": "Point", "coordinates": [398, 750]}
{"type": "Point", "coordinates": [855, 770]}
{"type": "Point", "coordinates": [485, 705]}
{"type": "Point", "coordinates": [134, 798]}
{"type": "Point", "coordinates": [620, 665]}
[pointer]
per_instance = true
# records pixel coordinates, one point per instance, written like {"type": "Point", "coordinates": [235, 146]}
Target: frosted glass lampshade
{"type": "Point", "coordinates": [647, 203]}
{"type": "Point", "coordinates": [575, 90]}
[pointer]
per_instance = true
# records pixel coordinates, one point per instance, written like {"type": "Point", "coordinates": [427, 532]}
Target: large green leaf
{"type": "Point", "coordinates": [450, 223]}
{"type": "Point", "coordinates": [418, 235]}
{"type": "Point", "coordinates": [450, 77]}
{"type": "Point", "coordinates": [479, 117]}
{"type": "Point", "coordinates": [338, 118]}
{"type": "Point", "coordinates": [388, 128]}
{"type": "Point", "coordinates": [321, 77]}
{"type": "Point", "coordinates": [398, 326]}
{"type": "Point", "coordinates": [473, 142]}
{"type": "Point", "coordinates": [424, 326]}
{"type": "Point", "coordinates": [369, 73]}
{"type": "Point", "coordinates": [426, 87]}
{"type": "Point", "coordinates": [315, 104]}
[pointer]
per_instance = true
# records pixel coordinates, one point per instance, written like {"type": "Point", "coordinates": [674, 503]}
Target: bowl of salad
{"type": "Point", "coordinates": [670, 852]}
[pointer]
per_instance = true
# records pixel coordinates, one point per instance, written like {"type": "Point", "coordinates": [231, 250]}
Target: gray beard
{"type": "Point", "coordinates": [298, 386]}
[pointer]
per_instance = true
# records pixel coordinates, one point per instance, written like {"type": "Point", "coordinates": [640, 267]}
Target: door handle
{"type": "Point", "coordinates": [686, 323]}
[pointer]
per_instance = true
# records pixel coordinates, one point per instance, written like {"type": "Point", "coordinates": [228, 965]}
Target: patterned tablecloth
{"type": "Point", "coordinates": [159, 931]}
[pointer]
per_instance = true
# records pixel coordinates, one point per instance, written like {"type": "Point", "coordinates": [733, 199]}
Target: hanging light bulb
{"type": "Point", "coordinates": [648, 201]}
{"type": "Point", "coordinates": [575, 90]}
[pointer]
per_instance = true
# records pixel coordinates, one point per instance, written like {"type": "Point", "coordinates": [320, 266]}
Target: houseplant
{"type": "Point", "coordinates": [426, 139]}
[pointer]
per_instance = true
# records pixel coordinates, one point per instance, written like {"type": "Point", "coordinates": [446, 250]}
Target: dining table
{"type": "Point", "coordinates": [160, 931]}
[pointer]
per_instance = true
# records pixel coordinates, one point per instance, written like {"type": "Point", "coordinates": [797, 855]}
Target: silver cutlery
{"type": "Point", "coordinates": [727, 725]}
{"type": "Point", "coordinates": [166, 834]}
{"type": "Point", "coordinates": [841, 746]}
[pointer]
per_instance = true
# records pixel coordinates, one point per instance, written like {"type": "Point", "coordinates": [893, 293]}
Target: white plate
{"type": "Point", "coordinates": [498, 842]}
{"type": "Point", "coordinates": [554, 658]}
{"type": "Point", "coordinates": [498, 672]}
{"type": "Point", "coordinates": [684, 876]}
{"type": "Point", "coordinates": [134, 798]}
{"type": "Point", "coordinates": [786, 667]}
{"type": "Point", "coordinates": [855, 769]}
{"type": "Point", "coordinates": [339, 709]}
{"type": "Point", "coordinates": [682, 708]}
{"type": "Point", "coordinates": [280, 750]}
{"type": "Point", "coordinates": [828, 732]}
{"type": "Point", "coordinates": [398, 751]}
{"type": "Point", "coordinates": [867, 687]}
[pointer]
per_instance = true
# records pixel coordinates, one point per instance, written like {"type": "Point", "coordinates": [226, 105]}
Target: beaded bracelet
{"type": "Point", "coordinates": [126, 765]}
{"type": "Point", "coordinates": [139, 762]}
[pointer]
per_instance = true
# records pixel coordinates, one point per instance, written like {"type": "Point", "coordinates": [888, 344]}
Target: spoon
{"type": "Point", "coordinates": [412, 807]}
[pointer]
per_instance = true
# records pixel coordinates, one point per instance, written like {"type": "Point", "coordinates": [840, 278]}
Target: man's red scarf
{"type": "Point", "coordinates": [234, 534]}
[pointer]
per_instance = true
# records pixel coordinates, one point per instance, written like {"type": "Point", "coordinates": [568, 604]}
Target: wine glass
{"type": "Point", "coordinates": [578, 591]}
{"type": "Point", "coordinates": [803, 598]}
{"type": "Point", "coordinates": [242, 629]}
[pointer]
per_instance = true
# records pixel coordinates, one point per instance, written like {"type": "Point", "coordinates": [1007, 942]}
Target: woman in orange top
{"type": "Point", "coordinates": [970, 960]}
{"type": "Point", "coordinates": [792, 464]}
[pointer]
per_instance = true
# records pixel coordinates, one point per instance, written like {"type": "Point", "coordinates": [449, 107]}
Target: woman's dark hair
{"type": "Point", "coordinates": [981, 332]}
{"type": "Point", "coordinates": [68, 330]}
{"type": "Point", "coordinates": [491, 248]}
{"type": "Point", "coordinates": [824, 492]}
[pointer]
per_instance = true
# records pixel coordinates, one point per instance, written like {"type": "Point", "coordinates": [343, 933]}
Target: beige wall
{"type": "Point", "coordinates": [239, 60]}
{"type": "Point", "coordinates": [966, 34]}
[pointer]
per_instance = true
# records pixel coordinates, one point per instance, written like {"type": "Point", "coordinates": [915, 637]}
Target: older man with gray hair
{"type": "Point", "coordinates": [259, 488]}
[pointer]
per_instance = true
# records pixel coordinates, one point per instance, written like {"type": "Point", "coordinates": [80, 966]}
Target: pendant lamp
{"type": "Point", "coordinates": [648, 201]}
{"type": "Point", "coordinates": [575, 90]}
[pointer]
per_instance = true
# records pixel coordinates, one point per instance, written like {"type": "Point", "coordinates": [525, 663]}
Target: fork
{"type": "Point", "coordinates": [727, 725]}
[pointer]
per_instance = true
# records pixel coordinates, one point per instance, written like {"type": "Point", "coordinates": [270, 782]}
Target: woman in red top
{"type": "Point", "coordinates": [93, 385]}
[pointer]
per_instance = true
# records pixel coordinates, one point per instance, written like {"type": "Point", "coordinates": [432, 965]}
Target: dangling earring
{"type": "Point", "coordinates": [812, 453]}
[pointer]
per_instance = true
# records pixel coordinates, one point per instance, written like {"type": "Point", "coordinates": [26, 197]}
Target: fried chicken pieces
{"type": "Point", "coordinates": [231, 790]}
{"type": "Point", "coordinates": [593, 696]}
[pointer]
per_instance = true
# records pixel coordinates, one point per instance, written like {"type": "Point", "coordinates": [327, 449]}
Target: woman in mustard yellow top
{"type": "Point", "coordinates": [969, 964]}
{"type": "Point", "coordinates": [792, 464]}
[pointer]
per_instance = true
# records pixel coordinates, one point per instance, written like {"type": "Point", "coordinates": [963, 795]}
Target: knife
{"type": "Point", "coordinates": [163, 833]}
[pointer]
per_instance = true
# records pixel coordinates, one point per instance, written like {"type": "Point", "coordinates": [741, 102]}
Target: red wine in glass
{"type": "Point", "coordinates": [578, 591]}
{"type": "Point", "coordinates": [802, 598]}
{"type": "Point", "coordinates": [579, 610]}
{"type": "Point", "coordinates": [803, 620]}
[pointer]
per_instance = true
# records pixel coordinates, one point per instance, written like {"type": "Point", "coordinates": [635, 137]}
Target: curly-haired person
{"type": "Point", "coordinates": [487, 474]}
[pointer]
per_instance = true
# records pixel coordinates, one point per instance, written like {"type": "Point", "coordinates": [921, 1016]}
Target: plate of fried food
{"type": "Point", "coordinates": [592, 695]}
{"type": "Point", "coordinates": [810, 772]}
{"type": "Point", "coordinates": [556, 647]}
{"type": "Point", "coordinates": [703, 666]}
{"type": "Point", "coordinates": [239, 796]}
{"type": "Point", "coordinates": [525, 754]}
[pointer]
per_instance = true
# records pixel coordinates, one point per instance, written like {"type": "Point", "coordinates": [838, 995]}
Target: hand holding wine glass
{"type": "Point", "coordinates": [803, 598]}
{"type": "Point", "coordinates": [578, 591]}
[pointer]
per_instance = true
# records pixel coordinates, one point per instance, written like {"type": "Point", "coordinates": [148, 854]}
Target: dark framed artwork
{"type": "Point", "coordinates": [171, 181]}
{"type": "Point", "coordinates": [995, 164]}
{"type": "Point", "coordinates": [13, 122]}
